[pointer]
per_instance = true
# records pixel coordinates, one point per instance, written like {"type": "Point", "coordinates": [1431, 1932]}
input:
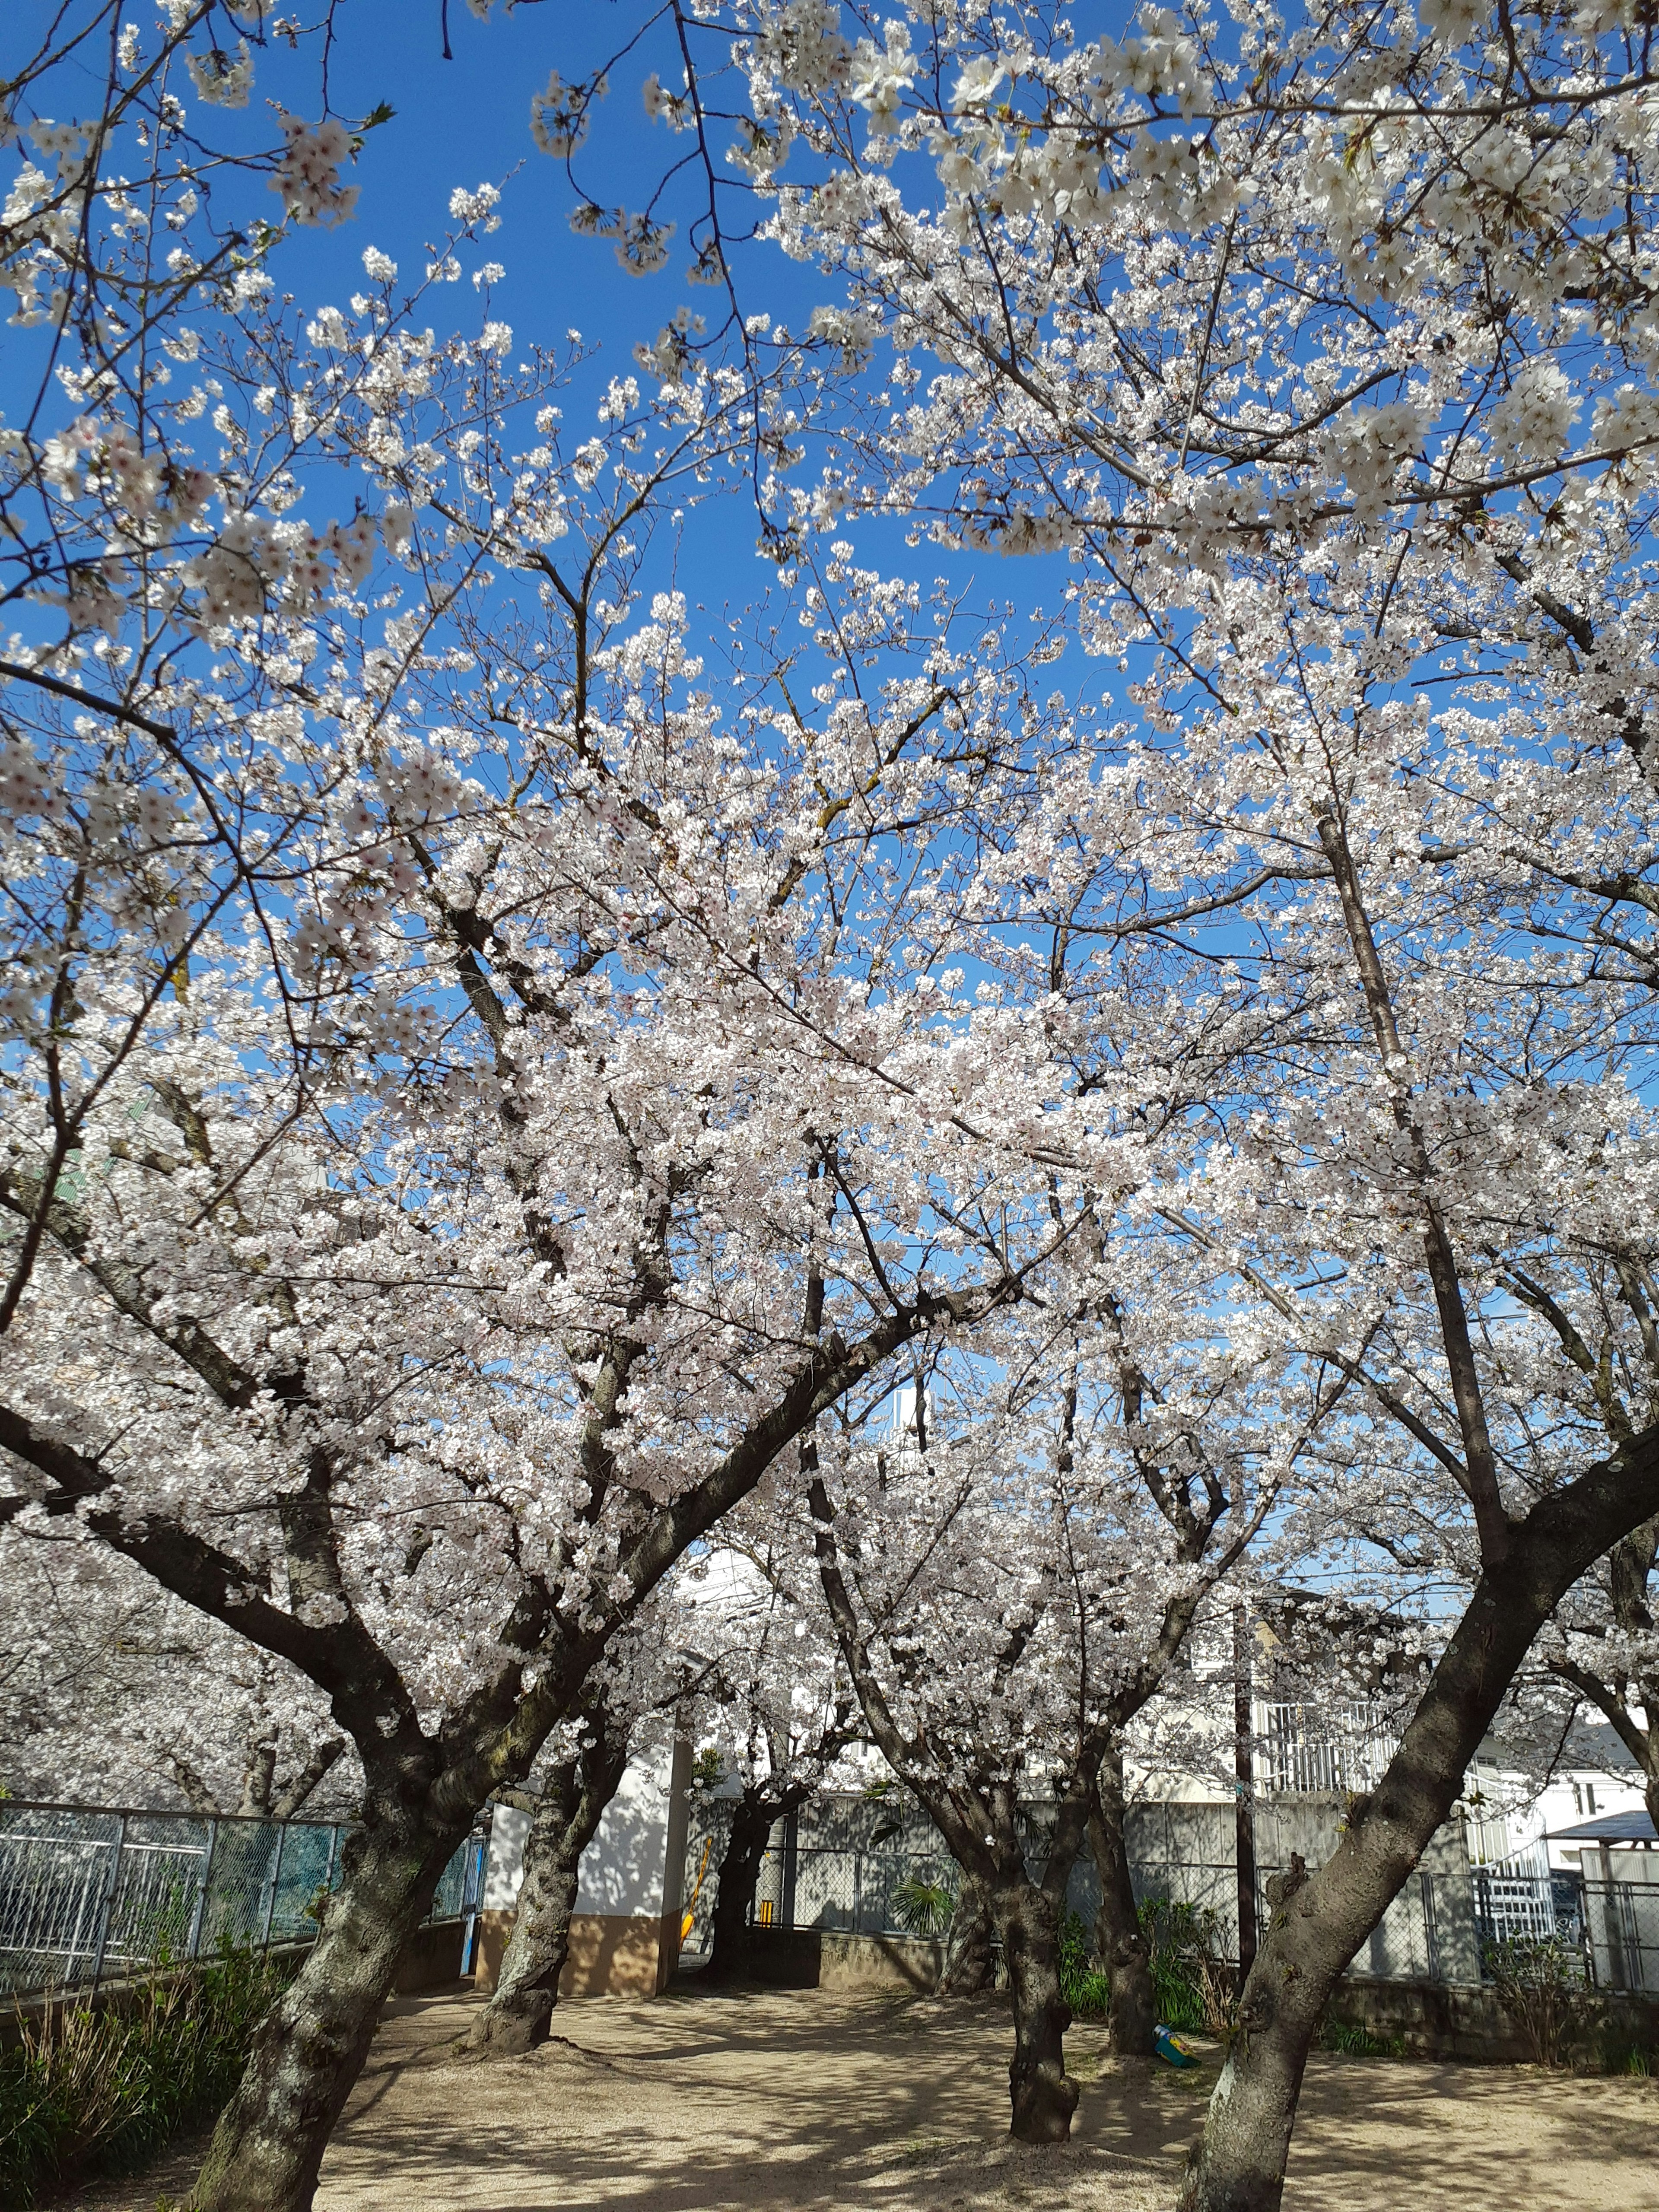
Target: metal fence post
{"type": "Point", "coordinates": [1430, 1931]}
{"type": "Point", "coordinates": [199, 1910]}
{"type": "Point", "coordinates": [276, 1877]}
{"type": "Point", "coordinates": [107, 1905]}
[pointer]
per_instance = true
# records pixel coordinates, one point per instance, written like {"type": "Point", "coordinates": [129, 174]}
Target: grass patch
{"type": "Point", "coordinates": [86, 2092]}
{"type": "Point", "coordinates": [1087, 1990]}
{"type": "Point", "coordinates": [1355, 2042]}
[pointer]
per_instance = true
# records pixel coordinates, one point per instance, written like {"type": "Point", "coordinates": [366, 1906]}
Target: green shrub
{"type": "Point", "coordinates": [923, 1908]}
{"type": "Point", "coordinates": [86, 2092]}
{"type": "Point", "coordinates": [1535, 1977]}
{"type": "Point", "coordinates": [1083, 1984]}
{"type": "Point", "coordinates": [1192, 1983]}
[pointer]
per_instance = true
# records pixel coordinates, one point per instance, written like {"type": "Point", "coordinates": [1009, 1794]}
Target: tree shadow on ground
{"type": "Point", "coordinates": [1409, 2135]}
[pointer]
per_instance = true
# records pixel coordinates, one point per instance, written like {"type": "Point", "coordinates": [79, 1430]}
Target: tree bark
{"type": "Point", "coordinates": [1124, 1947]}
{"type": "Point", "coordinates": [1318, 1923]}
{"type": "Point", "coordinates": [1043, 2094]}
{"type": "Point", "coordinates": [967, 1968]}
{"type": "Point", "coordinates": [518, 2016]}
{"type": "Point", "coordinates": [752, 1816]}
{"type": "Point", "coordinates": [311, 2045]}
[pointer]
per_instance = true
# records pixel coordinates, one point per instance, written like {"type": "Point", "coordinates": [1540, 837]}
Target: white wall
{"type": "Point", "coordinates": [625, 1870]}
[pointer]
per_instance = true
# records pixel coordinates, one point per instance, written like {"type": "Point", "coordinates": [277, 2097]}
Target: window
{"type": "Point", "coordinates": [1589, 1796]}
{"type": "Point", "coordinates": [1577, 1801]}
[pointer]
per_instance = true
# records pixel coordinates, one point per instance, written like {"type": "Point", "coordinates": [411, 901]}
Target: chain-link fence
{"type": "Point", "coordinates": [89, 1895]}
{"type": "Point", "coordinates": [889, 1876]}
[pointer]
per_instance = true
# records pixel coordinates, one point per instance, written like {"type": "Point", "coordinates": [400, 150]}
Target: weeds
{"type": "Point", "coordinates": [1535, 1978]}
{"type": "Point", "coordinates": [1083, 1985]}
{"type": "Point", "coordinates": [1356, 2042]}
{"type": "Point", "coordinates": [1626, 2058]}
{"type": "Point", "coordinates": [85, 2092]}
{"type": "Point", "coordinates": [1192, 1985]}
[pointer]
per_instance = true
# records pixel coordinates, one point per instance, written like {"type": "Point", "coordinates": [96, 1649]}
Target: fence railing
{"type": "Point", "coordinates": [89, 1895]}
{"type": "Point", "coordinates": [1608, 1929]}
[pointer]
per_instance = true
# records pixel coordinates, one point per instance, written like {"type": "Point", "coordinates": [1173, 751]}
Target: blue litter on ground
{"type": "Point", "coordinates": [1170, 2048]}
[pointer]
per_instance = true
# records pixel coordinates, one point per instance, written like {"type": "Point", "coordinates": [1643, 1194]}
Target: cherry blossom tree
{"type": "Point", "coordinates": [774, 1712]}
{"type": "Point", "coordinates": [481, 1095]}
{"type": "Point", "coordinates": [112, 1692]}
{"type": "Point", "coordinates": [638, 1689]}
{"type": "Point", "coordinates": [454, 1243]}
{"type": "Point", "coordinates": [1009, 1577]}
{"type": "Point", "coordinates": [1317, 348]}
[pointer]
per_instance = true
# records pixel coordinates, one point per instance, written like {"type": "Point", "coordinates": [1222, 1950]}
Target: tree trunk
{"type": "Point", "coordinates": [1317, 1923]}
{"type": "Point", "coordinates": [752, 1816]}
{"type": "Point", "coordinates": [1043, 2094]}
{"type": "Point", "coordinates": [967, 1968]}
{"type": "Point", "coordinates": [311, 2044]}
{"type": "Point", "coordinates": [1122, 1943]}
{"type": "Point", "coordinates": [519, 2013]}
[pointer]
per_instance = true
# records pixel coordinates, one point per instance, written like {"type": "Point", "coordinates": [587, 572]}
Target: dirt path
{"type": "Point", "coordinates": [728, 2102]}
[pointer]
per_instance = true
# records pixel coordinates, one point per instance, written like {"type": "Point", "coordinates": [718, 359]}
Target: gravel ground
{"type": "Point", "coordinates": [723, 2101]}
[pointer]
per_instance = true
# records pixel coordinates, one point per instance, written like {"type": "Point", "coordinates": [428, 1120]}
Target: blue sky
{"type": "Point", "coordinates": [466, 120]}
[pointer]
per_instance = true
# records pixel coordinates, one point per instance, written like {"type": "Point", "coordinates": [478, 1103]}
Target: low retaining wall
{"type": "Point", "coordinates": [827, 1959]}
{"type": "Point", "coordinates": [1433, 2020]}
{"type": "Point", "coordinates": [431, 1960]}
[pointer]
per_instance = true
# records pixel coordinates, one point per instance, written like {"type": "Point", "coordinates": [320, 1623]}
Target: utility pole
{"type": "Point", "coordinates": [1244, 1785]}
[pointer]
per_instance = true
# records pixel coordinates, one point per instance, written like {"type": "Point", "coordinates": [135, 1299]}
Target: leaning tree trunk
{"type": "Point", "coordinates": [311, 2045]}
{"type": "Point", "coordinates": [1043, 2094]}
{"type": "Point", "coordinates": [1119, 1939]}
{"type": "Point", "coordinates": [967, 1968]}
{"type": "Point", "coordinates": [518, 2016]}
{"type": "Point", "coordinates": [752, 1817]}
{"type": "Point", "coordinates": [1318, 1923]}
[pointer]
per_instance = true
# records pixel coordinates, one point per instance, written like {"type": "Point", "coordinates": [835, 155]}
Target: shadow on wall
{"type": "Point", "coordinates": [832, 1958]}
{"type": "Point", "coordinates": [625, 1931]}
{"type": "Point", "coordinates": [611, 1954]}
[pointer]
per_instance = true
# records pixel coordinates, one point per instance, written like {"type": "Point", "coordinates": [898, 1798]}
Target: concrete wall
{"type": "Point", "coordinates": [832, 1959]}
{"type": "Point", "coordinates": [431, 1958]}
{"type": "Point", "coordinates": [625, 1932]}
{"type": "Point", "coordinates": [1470, 2024]}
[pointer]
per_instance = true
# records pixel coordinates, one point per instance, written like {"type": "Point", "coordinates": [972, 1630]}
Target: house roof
{"type": "Point", "coordinates": [1635, 1827]}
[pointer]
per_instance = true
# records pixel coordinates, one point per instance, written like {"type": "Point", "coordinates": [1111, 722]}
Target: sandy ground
{"type": "Point", "coordinates": [709, 2100]}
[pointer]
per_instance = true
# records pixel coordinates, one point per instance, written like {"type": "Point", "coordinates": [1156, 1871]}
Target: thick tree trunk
{"type": "Point", "coordinates": [967, 1968]}
{"type": "Point", "coordinates": [519, 2013]}
{"type": "Point", "coordinates": [752, 1816]}
{"type": "Point", "coordinates": [311, 2046]}
{"type": "Point", "coordinates": [1043, 2094]}
{"type": "Point", "coordinates": [1317, 1923]}
{"type": "Point", "coordinates": [1119, 1939]}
